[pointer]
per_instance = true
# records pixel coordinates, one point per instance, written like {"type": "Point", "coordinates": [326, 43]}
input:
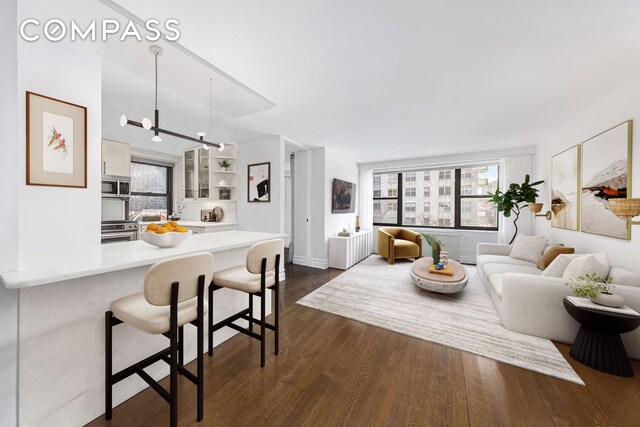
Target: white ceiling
{"type": "Point", "coordinates": [398, 79]}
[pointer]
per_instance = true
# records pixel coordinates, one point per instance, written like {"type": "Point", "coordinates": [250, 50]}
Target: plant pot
{"type": "Point", "coordinates": [608, 299]}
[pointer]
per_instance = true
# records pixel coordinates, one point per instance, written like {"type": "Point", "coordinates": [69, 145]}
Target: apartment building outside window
{"type": "Point", "coordinates": [460, 201]}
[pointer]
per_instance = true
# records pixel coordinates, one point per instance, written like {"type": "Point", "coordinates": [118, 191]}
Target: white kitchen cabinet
{"type": "Point", "coordinates": [204, 178]}
{"type": "Point", "coordinates": [116, 158]}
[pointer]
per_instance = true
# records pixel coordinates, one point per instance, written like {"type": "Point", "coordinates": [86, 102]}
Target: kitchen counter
{"type": "Point", "coordinates": [41, 268]}
{"type": "Point", "coordinates": [59, 299]}
{"type": "Point", "coordinates": [192, 223]}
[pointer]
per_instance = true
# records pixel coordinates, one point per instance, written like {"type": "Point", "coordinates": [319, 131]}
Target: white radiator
{"type": "Point", "coordinates": [345, 252]}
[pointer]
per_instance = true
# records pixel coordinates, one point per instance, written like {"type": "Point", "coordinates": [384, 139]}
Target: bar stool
{"type": "Point", "coordinates": [173, 296]}
{"type": "Point", "coordinates": [260, 273]}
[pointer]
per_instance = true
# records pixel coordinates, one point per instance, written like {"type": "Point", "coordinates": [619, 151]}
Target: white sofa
{"type": "Point", "coordinates": [532, 304]}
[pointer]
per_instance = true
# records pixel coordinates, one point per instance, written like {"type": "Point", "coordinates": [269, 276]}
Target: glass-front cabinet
{"type": "Point", "coordinates": [210, 174]}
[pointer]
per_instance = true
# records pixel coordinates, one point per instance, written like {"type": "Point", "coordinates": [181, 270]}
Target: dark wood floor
{"type": "Point", "coordinates": [337, 371]}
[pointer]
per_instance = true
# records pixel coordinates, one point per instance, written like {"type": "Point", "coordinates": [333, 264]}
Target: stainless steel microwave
{"type": "Point", "coordinates": [116, 186]}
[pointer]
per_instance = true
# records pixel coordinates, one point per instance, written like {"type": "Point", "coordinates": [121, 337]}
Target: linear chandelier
{"type": "Point", "coordinates": [155, 127]}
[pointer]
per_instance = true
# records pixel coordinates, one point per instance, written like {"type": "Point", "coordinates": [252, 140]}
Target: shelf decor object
{"type": "Point", "coordinates": [155, 126]}
{"type": "Point", "coordinates": [56, 142]}
{"type": "Point", "coordinates": [259, 182]}
{"type": "Point", "coordinates": [565, 193]}
{"type": "Point", "coordinates": [606, 176]}
{"type": "Point", "coordinates": [627, 209]}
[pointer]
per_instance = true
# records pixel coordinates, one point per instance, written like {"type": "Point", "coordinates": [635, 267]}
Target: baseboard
{"type": "Point", "coordinates": [322, 263]}
{"type": "Point", "coordinates": [300, 260]}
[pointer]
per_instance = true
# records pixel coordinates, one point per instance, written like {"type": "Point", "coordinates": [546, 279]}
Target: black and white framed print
{"type": "Point", "coordinates": [259, 182]}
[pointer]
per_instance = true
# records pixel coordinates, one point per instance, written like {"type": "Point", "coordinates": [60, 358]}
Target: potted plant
{"type": "Point", "coordinates": [436, 246]}
{"type": "Point", "coordinates": [515, 198]}
{"type": "Point", "coordinates": [225, 164]}
{"type": "Point", "coordinates": [597, 289]}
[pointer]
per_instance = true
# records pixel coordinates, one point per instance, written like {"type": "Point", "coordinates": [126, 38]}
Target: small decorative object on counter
{"type": "Point", "coordinates": [592, 286]}
{"type": "Point", "coordinates": [217, 214]}
{"type": "Point", "coordinates": [344, 233]}
{"type": "Point", "coordinates": [357, 223]}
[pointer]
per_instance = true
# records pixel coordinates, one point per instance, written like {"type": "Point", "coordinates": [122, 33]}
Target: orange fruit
{"type": "Point", "coordinates": [153, 226]}
{"type": "Point", "coordinates": [151, 231]}
{"type": "Point", "coordinates": [181, 229]}
{"type": "Point", "coordinates": [173, 223]}
{"type": "Point", "coordinates": [162, 230]}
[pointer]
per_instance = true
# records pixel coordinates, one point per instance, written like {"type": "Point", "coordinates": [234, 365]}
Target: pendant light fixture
{"type": "Point", "coordinates": [146, 123]}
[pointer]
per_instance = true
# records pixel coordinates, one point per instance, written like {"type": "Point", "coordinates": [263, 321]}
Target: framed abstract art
{"type": "Point", "coordinates": [56, 142]}
{"type": "Point", "coordinates": [259, 182]}
{"type": "Point", "coordinates": [606, 175]}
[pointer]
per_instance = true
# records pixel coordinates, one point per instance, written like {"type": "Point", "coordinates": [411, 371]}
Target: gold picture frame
{"type": "Point", "coordinates": [566, 188]}
{"type": "Point", "coordinates": [606, 174]}
{"type": "Point", "coordinates": [56, 142]}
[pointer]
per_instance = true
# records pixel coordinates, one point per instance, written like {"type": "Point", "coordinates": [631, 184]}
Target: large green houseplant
{"type": "Point", "coordinates": [515, 198]}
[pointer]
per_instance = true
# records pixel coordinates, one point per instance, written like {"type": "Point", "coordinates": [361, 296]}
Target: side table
{"type": "Point", "coordinates": [598, 343]}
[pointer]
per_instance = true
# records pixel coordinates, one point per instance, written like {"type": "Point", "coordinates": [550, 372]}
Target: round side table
{"type": "Point", "coordinates": [598, 343]}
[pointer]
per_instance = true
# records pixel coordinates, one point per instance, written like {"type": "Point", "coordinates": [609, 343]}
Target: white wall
{"type": "Point", "coordinates": [618, 106]}
{"type": "Point", "coordinates": [337, 166]}
{"type": "Point", "coordinates": [9, 181]}
{"type": "Point", "coordinates": [55, 217]}
{"type": "Point", "coordinates": [261, 216]}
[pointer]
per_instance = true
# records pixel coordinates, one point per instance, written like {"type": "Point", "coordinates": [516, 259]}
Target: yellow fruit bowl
{"type": "Point", "coordinates": [166, 240]}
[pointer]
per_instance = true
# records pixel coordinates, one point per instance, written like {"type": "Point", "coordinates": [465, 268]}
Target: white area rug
{"type": "Point", "coordinates": [384, 295]}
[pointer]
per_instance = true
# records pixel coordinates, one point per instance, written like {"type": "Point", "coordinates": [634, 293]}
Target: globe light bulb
{"type": "Point", "coordinates": [221, 148]}
{"type": "Point", "coordinates": [123, 120]}
{"type": "Point", "coordinates": [156, 138]}
{"type": "Point", "coordinates": [146, 123]}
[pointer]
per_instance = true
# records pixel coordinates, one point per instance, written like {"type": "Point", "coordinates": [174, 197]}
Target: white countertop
{"type": "Point", "coordinates": [40, 268]}
{"type": "Point", "coordinates": [192, 223]}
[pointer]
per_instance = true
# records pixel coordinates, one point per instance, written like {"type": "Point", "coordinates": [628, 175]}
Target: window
{"type": "Point", "coordinates": [151, 190]}
{"type": "Point", "coordinates": [444, 191]}
{"type": "Point", "coordinates": [459, 199]}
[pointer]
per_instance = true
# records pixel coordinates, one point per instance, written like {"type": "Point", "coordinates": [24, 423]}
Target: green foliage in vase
{"type": "Point", "coordinates": [589, 285]}
{"type": "Point", "coordinates": [515, 198]}
{"type": "Point", "coordinates": [225, 164]}
{"type": "Point", "coordinates": [436, 245]}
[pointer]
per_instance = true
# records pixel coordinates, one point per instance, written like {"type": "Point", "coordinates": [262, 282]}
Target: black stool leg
{"type": "Point", "coordinates": [200, 384]}
{"type": "Point", "coordinates": [181, 345]}
{"type": "Point", "coordinates": [251, 312]}
{"type": "Point", "coordinates": [277, 318]}
{"type": "Point", "coordinates": [210, 326]}
{"type": "Point", "coordinates": [173, 356]}
{"type": "Point", "coordinates": [108, 365]}
{"type": "Point", "coordinates": [263, 295]}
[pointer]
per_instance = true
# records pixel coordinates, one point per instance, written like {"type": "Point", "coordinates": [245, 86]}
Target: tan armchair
{"type": "Point", "coordinates": [395, 242]}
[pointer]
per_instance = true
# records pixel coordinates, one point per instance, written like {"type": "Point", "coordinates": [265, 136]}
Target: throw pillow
{"type": "Point", "coordinates": [551, 253]}
{"type": "Point", "coordinates": [559, 265]}
{"type": "Point", "coordinates": [587, 264]}
{"type": "Point", "coordinates": [528, 248]}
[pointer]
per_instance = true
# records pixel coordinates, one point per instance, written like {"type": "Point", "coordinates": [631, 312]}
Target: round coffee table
{"type": "Point", "coordinates": [440, 283]}
{"type": "Point", "coordinates": [598, 343]}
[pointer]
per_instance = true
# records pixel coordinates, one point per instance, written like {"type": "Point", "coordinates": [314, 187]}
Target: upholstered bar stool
{"type": "Point", "coordinates": [260, 273]}
{"type": "Point", "coordinates": [173, 296]}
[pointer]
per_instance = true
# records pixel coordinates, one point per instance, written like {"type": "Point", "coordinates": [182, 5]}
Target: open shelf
{"type": "Point", "coordinates": [224, 157]}
{"type": "Point", "coordinates": [224, 171]}
{"type": "Point", "coordinates": [224, 186]}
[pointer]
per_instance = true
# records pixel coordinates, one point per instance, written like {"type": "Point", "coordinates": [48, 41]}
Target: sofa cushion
{"type": "Point", "coordinates": [550, 253]}
{"type": "Point", "coordinates": [597, 264]}
{"type": "Point", "coordinates": [528, 248]}
{"type": "Point", "coordinates": [496, 283]}
{"type": "Point", "coordinates": [620, 276]}
{"type": "Point", "coordinates": [559, 265]}
{"type": "Point", "coordinates": [500, 259]}
{"type": "Point", "coordinates": [495, 268]}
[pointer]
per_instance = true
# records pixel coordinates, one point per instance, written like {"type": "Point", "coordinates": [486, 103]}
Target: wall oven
{"type": "Point", "coordinates": [116, 186]}
{"type": "Point", "coordinates": [119, 231]}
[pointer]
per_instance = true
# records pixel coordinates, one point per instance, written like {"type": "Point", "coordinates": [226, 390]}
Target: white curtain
{"type": "Point", "coordinates": [365, 201]}
{"type": "Point", "coordinates": [513, 170]}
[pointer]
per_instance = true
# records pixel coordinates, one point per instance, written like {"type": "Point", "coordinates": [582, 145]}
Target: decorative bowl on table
{"type": "Point", "coordinates": [166, 235]}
